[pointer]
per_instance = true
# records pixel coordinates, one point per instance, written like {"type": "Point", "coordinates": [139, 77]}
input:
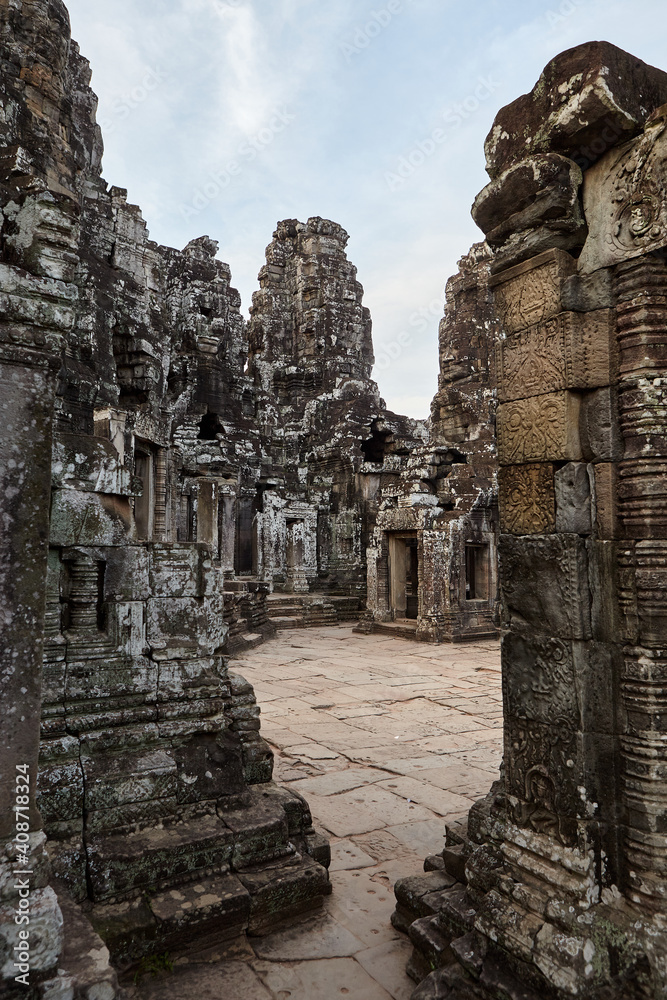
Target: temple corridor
{"type": "Point", "coordinates": [388, 740]}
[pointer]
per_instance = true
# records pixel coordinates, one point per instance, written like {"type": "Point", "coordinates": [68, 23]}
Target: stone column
{"type": "Point", "coordinates": [29, 363]}
{"type": "Point", "coordinates": [641, 289]}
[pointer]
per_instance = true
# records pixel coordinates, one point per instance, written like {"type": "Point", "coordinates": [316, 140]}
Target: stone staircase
{"type": "Point", "coordinates": [404, 629]}
{"type": "Point", "coordinates": [311, 610]}
{"type": "Point", "coordinates": [243, 869]}
{"type": "Point", "coordinates": [247, 616]}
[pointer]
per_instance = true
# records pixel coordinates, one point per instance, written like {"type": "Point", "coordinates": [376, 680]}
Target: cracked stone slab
{"type": "Point", "coordinates": [346, 855]}
{"type": "Point", "coordinates": [321, 938]}
{"type": "Point", "coordinates": [207, 982]}
{"type": "Point", "coordinates": [326, 979]}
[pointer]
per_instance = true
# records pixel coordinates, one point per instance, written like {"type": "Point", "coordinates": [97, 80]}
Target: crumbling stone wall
{"type": "Point", "coordinates": [557, 886]}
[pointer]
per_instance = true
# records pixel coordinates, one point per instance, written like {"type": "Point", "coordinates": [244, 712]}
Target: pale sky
{"type": "Point", "coordinates": [222, 117]}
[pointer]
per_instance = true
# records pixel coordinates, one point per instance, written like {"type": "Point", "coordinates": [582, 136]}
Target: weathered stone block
{"type": "Point", "coordinates": [119, 865]}
{"type": "Point", "coordinates": [527, 499]}
{"type": "Point", "coordinates": [284, 890]}
{"type": "Point", "coordinates": [603, 582]}
{"type": "Point", "coordinates": [588, 292]}
{"type": "Point", "coordinates": [531, 293]}
{"type": "Point", "coordinates": [606, 484]}
{"type": "Point", "coordinates": [89, 464]}
{"type": "Point", "coordinates": [93, 677]}
{"type": "Point", "coordinates": [547, 679]}
{"type": "Point", "coordinates": [191, 678]}
{"type": "Point", "coordinates": [586, 100]}
{"type": "Point", "coordinates": [531, 207]}
{"type": "Point", "coordinates": [573, 499]}
{"type": "Point", "coordinates": [600, 433]}
{"type": "Point", "coordinates": [545, 583]}
{"type": "Point", "coordinates": [60, 785]}
{"type": "Point", "coordinates": [175, 625]}
{"type": "Point", "coordinates": [175, 570]}
{"type": "Point", "coordinates": [126, 573]}
{"type": "Point", "coordinates": [544, 775]}
{"type": "Point", "coordinates": [540, 429]}
{"type": "Point", "coordinates": [122, 779]}
{"type": "Point", "coordinates": [89, 519]}
{"type": "Point", "coordinates": [220, 905]}
{"type": "Point", "coordinates": [210, 766]}
{"type": "Point", "coordinates": [571, 351]}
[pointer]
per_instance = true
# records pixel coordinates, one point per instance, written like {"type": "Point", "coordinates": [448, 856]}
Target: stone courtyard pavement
{"type": "Point", "coordinates": [387, 739]}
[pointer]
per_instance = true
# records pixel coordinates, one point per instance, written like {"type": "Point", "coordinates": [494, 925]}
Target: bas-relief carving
{"type": "Point", "coordinates": [540, 429]}
{"type": "Point", "coordinates": [543, 776]}
{"type": "Point", "coordinates": [539, 680]}
{"type": "Point", "coordinates": [527, 500]}
{"type": "Point", "coordinates": [571, 351]}
{"type": "Point", "coordinates": [624, 200]}
{"type": "Point", "coordinates": [530, 293]}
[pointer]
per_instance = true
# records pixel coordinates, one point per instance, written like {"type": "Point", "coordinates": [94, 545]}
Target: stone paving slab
{"type": "Point", "coordinates": [326, 979]}
{"type": "Point", "coordinates": [388, 739]}
{"type": "Point", "coordinates": [345, 854]}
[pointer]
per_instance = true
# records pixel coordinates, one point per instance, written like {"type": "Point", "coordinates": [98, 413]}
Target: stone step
{"type": "Point", "coordinates": [402, 631]}
{"type": "Point", "coordinates": [84, 967]}
{"type": "Point", "coordinates": [241, 870]}
{"type": "Point", "coordinates": [431, 948]}
{"type": "Point", "coordinates": [121, 865]}
{"type": "Point", "coordinates": [415, 897]}
{"type": "Point", "coordinates": [283, 891]}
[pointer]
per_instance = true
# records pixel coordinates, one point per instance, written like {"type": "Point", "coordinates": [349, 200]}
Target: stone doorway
{"type": "Point", "coordinates": [297, 581]}
{"type": "Point", "coordinates": [404, 575]}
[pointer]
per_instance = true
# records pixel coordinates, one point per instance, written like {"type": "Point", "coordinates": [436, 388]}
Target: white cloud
{"type": "Point", "coordinates": [229, 63]}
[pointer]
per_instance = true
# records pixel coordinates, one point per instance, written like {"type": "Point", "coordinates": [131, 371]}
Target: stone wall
{"type": "Point", "coordinates": [557, 886]}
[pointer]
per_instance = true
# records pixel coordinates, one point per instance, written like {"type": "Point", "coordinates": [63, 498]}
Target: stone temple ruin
{"type": "Point", "coordinates": [177, 484]}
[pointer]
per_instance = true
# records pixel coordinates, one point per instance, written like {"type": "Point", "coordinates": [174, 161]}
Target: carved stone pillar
{"type": "Point", "coordinates": [641, 289]}
{"type": "Point", "coordinates": [161, 498]}
{"type": "Point", "coordinates": [83, 594]}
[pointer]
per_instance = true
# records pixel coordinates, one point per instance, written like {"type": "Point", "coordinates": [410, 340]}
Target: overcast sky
{"type": "Point", "coordinates": [222, 117]}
